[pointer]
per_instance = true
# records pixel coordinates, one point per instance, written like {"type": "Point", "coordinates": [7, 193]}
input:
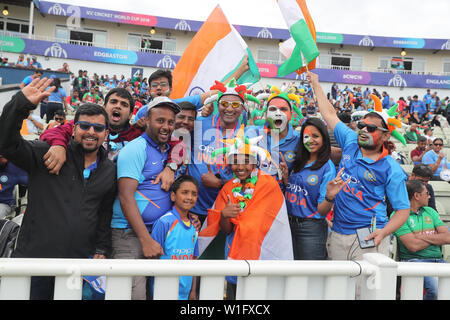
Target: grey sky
{"type": "Point", "coordinates": [396, 18]}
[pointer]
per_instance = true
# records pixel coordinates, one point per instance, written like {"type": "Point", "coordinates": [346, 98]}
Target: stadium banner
{"type": "Point", "coordinates": [165, 61]}
{"type": "Point", "coordinates": [74, 12]}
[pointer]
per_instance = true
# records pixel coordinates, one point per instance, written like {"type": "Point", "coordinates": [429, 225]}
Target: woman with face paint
{"type": "Point", "coordinates": [310, 191]}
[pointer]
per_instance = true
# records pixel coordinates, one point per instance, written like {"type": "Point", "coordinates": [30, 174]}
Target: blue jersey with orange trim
{"type": "Point", "coordinates": [208, 137]}
{"type": "Point", "coordinates": [370, 181]}
{"type": "Point", "coordinates": [307, 188]}
{"type": "Point", "coordinates": [179, 242]}
{"type": "Point", "coordinates": [141, 159]}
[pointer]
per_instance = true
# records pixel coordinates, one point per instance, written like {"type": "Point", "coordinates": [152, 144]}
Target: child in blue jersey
{"type": "Point", "coordinates": [310, 191]}
{"type": "Point", "coordinates": [176, 233]}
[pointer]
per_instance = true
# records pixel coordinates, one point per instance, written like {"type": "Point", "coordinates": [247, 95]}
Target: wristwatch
{"type": "Point", "coordinates": [329, 200]}
{"type": "Point", "coordinates": [173, 166]}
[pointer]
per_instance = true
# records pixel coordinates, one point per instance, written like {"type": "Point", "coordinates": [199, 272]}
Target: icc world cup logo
{"type": "Point", "coordinates": [183, 25]}
{"type": "Point", "coordinates": [166, 62]}
{"type": "Point", "coordinates": [56, 9]}
{"type": "Point", "coordinates": [366, 42]}
{"type": "Point", "coordinates": [56, 51]}
{"type": "Point", "coordinates": [265, 33]}
{"type": "Point", "coordinates": [397, 81]}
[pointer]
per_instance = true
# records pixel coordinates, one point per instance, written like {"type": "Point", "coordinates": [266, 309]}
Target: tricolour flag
{"type": "Point", "coordinates": [303, 38]}
{"type": "Point", "coordinates": [214, 53]}
{"type": "Point", "coordinates": [261, 231]}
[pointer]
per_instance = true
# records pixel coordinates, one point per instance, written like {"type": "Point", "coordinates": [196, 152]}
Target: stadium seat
{"type": "Point", "coordinates": [446, 252]}
{"type": "Point", "coordinates": [442, 196]}
{"type": "Point", "coordinates": [443, 212]}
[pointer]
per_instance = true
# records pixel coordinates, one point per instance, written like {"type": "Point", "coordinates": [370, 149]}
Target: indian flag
{"type": "Point", "coordinates": [302, 43]}
{"type": "Point", "coordinates": [214, 53]}
{"type": "Point", "coordinates": [261, 231]}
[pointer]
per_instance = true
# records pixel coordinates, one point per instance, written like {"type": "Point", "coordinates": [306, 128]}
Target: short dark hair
{"type": "Point", "coordinates": [438, 139]}
{"type": "Point", "coordinates": [184, 178]}
{"type": "Point", "coordinates": [60, 112]}
{"type": "Point", "coordinates": [186, 105]}
{"type": "Point", "coordinates": [91, 109]}
{"type": "Point", "coordinates": [345, 117]}
{"type": "Point", "coordinates": [123, 93]}
{"type": "Point", "coordinates": [159, 74]}
{"type": "Point", "coordinates": [423, 170]}
{"type": "Point", "coordinates": [422, 139]}
{"type": "Point", "coordinates": [414, 186]}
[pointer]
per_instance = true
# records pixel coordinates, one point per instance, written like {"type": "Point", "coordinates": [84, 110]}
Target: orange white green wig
{"type": "Point", "coordinates": [243, 145]}
{"type": "Point", "coordinates": [388, 117]}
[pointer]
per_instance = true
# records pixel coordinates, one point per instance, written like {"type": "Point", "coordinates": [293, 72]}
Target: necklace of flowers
{"type": "Point", "coordinates": [250, 182]}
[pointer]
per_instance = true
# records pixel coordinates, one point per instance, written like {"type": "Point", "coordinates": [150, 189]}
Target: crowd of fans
{"type": "Point", "coordinates": [153, 190]}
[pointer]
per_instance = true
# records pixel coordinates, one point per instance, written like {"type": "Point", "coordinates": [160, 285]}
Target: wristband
{"type": "Point", "coordinates": [329, 200]}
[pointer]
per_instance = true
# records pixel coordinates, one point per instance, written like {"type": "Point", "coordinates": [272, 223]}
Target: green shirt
{"type": "Point", "coordinates": [411, 136]}
{"type": "Point", "coordinates": [426, 220]}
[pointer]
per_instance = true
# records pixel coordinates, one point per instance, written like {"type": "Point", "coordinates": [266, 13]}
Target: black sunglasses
{"type": "Point", "coordinates": [84, 125]}
{"type": "Point", "coordinates": [438, 144]}
{"type": "Point", "coordinates": [370, 127]}
{"type": "Point", "coordinates": [59, 119]}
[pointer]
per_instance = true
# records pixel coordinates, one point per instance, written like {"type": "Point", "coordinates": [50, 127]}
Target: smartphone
{"type": "Point", "coordinates": [362, 235]}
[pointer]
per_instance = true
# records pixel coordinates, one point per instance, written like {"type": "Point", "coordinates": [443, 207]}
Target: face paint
{"type": "Point", "coordinates": [277, 119]}
{"type": "Point", "coordinates": [368, 140]}
{"type": "Point", "coordinates": [307, 138]}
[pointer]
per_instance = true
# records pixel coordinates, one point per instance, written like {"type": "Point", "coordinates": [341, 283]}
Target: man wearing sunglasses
{"type": "Point", "coordinates": [371, 175]}
{"type": "Point", "coordinates": [436, 158]}
{"type": "Point", "coordinates": [60, 119]}
{"type": "Point", "coordinates": [68, 215]}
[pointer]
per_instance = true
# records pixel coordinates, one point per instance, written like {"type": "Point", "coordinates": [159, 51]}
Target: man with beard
{"type": "Point", "coordinates": [119, 105]}
{"type": "Point", "coordinates": [68, 215]}
{"type": "Point", "coordinates": [140, 202]}
{"type": "Point", "coordinates": [372, 175]}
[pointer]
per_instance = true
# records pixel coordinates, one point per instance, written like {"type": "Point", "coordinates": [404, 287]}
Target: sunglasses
{"type": "Point", "coordinates": [234, 104]}
{"type": "Point", "coordinates": [84, 125]}
{"type": "Point", "coordinates": [438, 144]}
{"type": "Point", "coordinates": [156, 84]}
{"type": "Point", "coordinates": [59, 119]}
{"type": "Point", "coordinates": [371, 128]}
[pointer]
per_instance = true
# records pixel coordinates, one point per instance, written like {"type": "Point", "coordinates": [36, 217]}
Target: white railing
{"type": "Point", "coordinates": [257, 280]}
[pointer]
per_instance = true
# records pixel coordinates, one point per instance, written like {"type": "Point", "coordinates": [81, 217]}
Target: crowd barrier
{"type": "Point", "coordinates": [257, 280]}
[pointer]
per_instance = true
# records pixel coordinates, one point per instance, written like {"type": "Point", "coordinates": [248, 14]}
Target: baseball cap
{"type": "Point", "coordinates": [164, 101]}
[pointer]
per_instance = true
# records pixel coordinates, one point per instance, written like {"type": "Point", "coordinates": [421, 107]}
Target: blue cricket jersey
{"type": "Point", "coordinates": [431, 157]}
{"type": "Point", "coordinates": [179, 242]}
{"type": "Point", "coordinates": [307, 188]}
{"type": "Point", "coordinates": [287, 146]}
{"type": "Point", "coordinates": [370, 182]}
{"type": "Point", "coordinates": [141, 159]}
{"type": "Point", "coordinates": [11, 176]}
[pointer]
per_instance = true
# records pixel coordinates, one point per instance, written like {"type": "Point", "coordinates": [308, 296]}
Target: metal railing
{"type": "Point", "coordinates": [257, 280]}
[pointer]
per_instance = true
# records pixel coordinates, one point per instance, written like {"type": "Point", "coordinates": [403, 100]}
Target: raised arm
{"type": "Point", "coordinates": [325, 107]}
{"type": "Point", "coordinates": [12, 145]}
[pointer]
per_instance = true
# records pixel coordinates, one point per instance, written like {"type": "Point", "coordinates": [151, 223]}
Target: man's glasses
{"type": "Point", "coordinates": [159, 84]}
{"type": "Point", "coordinates": [84, 125]}
{"type": "Point", "coordinates": [371, 128]}
{"type": "Point", "coordinates": [438, 144]}
{"type": "Point", "coordinates": [234, 104]}
{"type": "Point", "coordinates": [59, 119]}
